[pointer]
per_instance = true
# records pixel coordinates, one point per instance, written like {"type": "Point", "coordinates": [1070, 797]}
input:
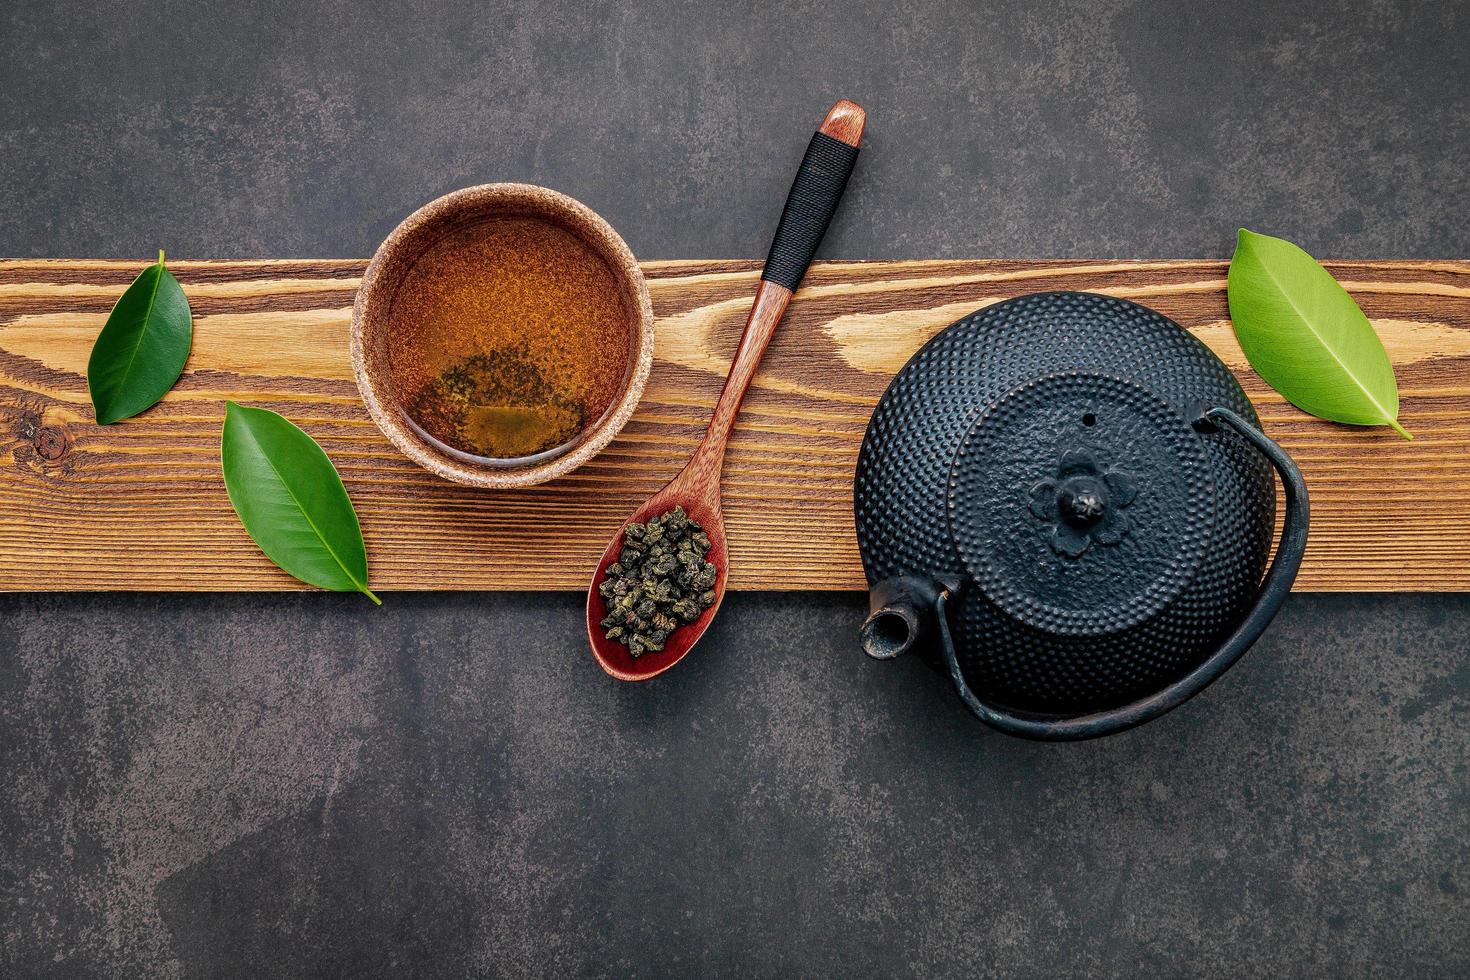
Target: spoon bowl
{"type": "Point", "coordinates": [684, 491]}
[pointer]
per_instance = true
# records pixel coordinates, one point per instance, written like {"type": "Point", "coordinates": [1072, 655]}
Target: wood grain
{"type": "Point", "coordinates": [141, 504]}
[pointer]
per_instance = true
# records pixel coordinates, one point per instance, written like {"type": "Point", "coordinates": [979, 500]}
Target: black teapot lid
{"type": "Point", "coordinates": [1045, 508]}
{"type": "Point", "coordinates": [1082, 488]}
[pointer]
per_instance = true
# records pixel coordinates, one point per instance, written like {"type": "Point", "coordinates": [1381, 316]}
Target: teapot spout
{"type": "Point", "coordinates": [901, 614]}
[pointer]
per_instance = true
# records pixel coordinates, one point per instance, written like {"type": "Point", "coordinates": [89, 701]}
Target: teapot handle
{"type": "Point", "coordinates": [1274, 589]}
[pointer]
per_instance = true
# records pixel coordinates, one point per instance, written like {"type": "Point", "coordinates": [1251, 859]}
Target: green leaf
{"type": "Point", "coordinates": [1303, 333]}
{"type": "Point", "coordinates": [142, 348]}
{"type": "Point", "coordinates": [291, 500]}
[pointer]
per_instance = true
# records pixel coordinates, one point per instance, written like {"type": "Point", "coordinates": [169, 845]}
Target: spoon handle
{"type": "Point", "coordinates": [810, 204]}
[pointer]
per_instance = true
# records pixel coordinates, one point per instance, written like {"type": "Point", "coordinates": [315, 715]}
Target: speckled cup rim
{"type": "Point", "coordinates": [385, 272]}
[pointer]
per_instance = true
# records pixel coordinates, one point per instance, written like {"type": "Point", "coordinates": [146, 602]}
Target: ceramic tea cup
{"type": "Point", "coordinates": [502, 335]}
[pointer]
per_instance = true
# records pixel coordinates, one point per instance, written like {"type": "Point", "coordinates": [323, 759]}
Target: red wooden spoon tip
{"type": "Point", "coordinates": [844, 122]}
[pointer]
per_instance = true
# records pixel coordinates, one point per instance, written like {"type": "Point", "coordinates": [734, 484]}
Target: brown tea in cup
{"type": "Point", "coordinates": [507, 340]}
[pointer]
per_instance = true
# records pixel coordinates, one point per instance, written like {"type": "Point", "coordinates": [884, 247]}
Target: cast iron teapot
{"type": "Point", "coordinates": [1065, 503]}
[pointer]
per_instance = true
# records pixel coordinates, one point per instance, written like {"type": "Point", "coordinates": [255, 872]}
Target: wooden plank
{"type": "Point", "coordinates": [141, 504]}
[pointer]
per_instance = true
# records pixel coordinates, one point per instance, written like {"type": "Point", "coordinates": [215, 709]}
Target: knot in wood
{"type": "Point", "coordinates": [50, 442]}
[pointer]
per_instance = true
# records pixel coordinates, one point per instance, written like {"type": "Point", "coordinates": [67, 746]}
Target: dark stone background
{"type": "Point", "coordinates": [305, 785]}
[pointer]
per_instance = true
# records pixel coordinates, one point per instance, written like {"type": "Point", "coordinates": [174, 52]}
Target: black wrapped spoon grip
{"type": "Point", "coordinates": [811, 203]}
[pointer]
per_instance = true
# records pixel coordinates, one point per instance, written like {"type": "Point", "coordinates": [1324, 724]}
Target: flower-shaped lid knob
{"type": "Point", "coordinates": [1085, 502]}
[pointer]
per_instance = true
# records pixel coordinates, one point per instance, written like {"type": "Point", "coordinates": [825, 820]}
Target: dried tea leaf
{"type": "Point", "coordinates": [661, 581]}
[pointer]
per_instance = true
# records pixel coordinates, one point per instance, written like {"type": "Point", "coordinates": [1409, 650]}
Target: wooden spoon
{"type": "Point", "coordinates": [809, 207]}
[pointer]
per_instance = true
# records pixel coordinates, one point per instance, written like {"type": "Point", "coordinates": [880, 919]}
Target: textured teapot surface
{"type": "Point", "coordinates": [1042, 452]}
